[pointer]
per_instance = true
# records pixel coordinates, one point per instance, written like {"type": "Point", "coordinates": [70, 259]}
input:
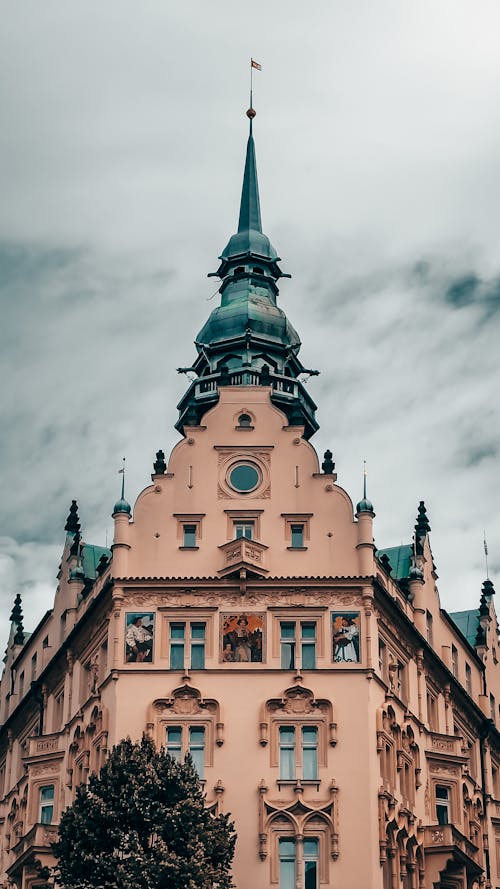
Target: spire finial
{"type": "Point", "coordinates": [486, 554]}
{"type": "Point", "coordinates": [16, 618]}
{"type": "Point", "coordinates": [121, 505]}
{"type": "Point", "coordinates": [72, 525]}
{"type": "Point", "coordinates": [364, 505]}
{"type": "Point", "coordinates": [122, 473]}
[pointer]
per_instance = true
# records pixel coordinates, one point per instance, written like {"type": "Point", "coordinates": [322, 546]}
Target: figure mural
{"type": "Point", "coordinates": [139, 637]}
{"type": "Point", "coordinates": [345, 632]}
{"type": "Point", "coordinates": [241, 638]}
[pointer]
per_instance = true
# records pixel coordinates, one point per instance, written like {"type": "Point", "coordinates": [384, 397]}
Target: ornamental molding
{"type": "Point", "coordinates": [297, 815]}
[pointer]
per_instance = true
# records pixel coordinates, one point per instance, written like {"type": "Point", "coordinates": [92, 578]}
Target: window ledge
{"type": "Point", "coordinates": [190, 548]}
{"type": "Point", "coordinates": [295, 782]}
{"type": "Point", "coordinates": [297, 548]}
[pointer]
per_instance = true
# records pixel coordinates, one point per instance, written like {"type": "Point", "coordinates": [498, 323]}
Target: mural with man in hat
{"type": "Point", "coordinates": [139, 637]}
{"type": "Point", "coordinates": [242, 638]}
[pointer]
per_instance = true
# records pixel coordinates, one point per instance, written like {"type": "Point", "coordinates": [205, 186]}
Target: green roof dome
{"type": "Point", "coordinates": [364, 505]}
{"type": "Point", "coordinates": [122, 505]}
{"type": "Point", "coordinates": [249, 241]}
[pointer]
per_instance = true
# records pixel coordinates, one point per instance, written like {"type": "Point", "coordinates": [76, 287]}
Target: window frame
{"type": "Point", "coordinates": [185, 520]}
{"type": "Point", "coordinates": [48, 804]}
{"type": "Point", "coordinates": [188, 642]}
{"type": "Point", "coordinates": [185, 745]}
{"type": "Point", "coordinates": [291, 519]}
{"type": "Point", "coordinates": [299, 641]}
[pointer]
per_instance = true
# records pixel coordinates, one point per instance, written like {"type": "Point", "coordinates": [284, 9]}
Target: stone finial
{"type": "Point", "coordinates": [422, 528]}
{"type": "Point", "coordinates": [488, 589]}
{"type": "Point", "coordinates": [72, 525]}
{"type": "Point", "coordinates": [328, 465]}
{"type": "Point", "coordinates": [16, 618]}
{"type": "Point", "coordinates": [102, 564]}
{"type": "Point", "coordinates": [386, 563]}
{"type": "Point", "coordinates": [480, 637]}
{"type": "Point", "coordinates": [159, 466]}
{"type": "Point", "coordinates": [483, 606]}
{"type": "Point", "coordinates": [75, 546]}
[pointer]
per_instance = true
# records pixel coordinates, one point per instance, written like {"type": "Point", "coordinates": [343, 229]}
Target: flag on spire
{"type": "Point", "coordinates": [255, 65]}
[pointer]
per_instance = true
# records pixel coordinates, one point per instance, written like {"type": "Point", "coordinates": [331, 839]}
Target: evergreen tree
{"type": "Point", "coordinates": [142, 824]}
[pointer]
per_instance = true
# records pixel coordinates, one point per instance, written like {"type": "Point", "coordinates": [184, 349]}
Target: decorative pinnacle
{"type": "Point", "coordinates": [17, 620]}
{"type": "Point", "coordinates": [72, 525]}
{"type": "Point", "coordinates": [159, 466]}
{"type": "Point", "coordinates": [422, 528]}
{"type": "Point", "coordinates": [251, 113]}
{"type": "Point", "coordinates": [328, 465]}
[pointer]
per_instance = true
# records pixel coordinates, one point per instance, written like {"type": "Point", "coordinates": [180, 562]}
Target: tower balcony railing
{"type": "Point", "coordinates": [285, 391]}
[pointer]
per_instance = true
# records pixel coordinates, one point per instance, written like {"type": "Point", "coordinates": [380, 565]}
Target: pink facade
{"type": "Point", "coordinates": [346, 721]}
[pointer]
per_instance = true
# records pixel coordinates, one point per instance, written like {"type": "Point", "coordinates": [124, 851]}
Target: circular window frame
{"type": "Point", "coordinates": [252, 465]}
{"type": "Point", "coordinates": [257, 461]}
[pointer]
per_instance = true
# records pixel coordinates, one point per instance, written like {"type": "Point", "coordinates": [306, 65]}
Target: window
{"type": "Point", "coordinates": [58, 711]}
{"type": "Point", "coordinates": [21, 684]}
{"type": "Point", "coordinates": [443, 804]}
{"type": "Point", "coordinates": [33, 667]}
{"type": "Point", "coordinates": [428, 627]}
{"type": "Point", "coordinates": [454, 661]}
{"type": "Point", "coordinates": [309, 752]}
{"type": "Point", "coordinates": [46, 808]}
{"type": "Point", "coordinates": [244, 477]}
{"type": "Point", "coordinates": [308, 764]}
{"type": "Point", "coordinates": [468, 679]}
{"type": "Point", "coordinates": [297, 529]}
{"type": "Point", "coordinates": [63, 627]}
{"type": "Point", "coordinates": [174, 742]}
{"type": "Point", "coordinates": [306, 644]}
{"type": "Point", "coordinates": [187, 637]}
{"type": "Point", "coordinates": [197, 748]}
{"type": "Point", "coordinates": [45, 643]}
{"type": "Point", "coordinates": [288, 863]}
{"type": "Point", "coordinates": [243, 529]}
{"type": "Point", "coordinates": [297, 536]}
{"type": "Point", "coordinates": [189, 536]}
{"type": "Point", "coordinates": [382, 659]}
{"type": "Point", "coordinates": [493, 709]}
{"type": "Point", "coordinates": [287, 752]}
{"type": "Point", "coordinates": [245, 421]}
{"type": "Point", "coordinates": [311, 875]}
{"type": "Point", "coordinates": [195, 745]}
{"type": "Point", "coordinates": [432, 718]}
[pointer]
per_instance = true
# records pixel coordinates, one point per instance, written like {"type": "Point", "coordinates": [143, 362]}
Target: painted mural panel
{"type": "Point", "coordinates": [346, 636]}
{"type": "Point", "coordinates": [241, 638]}
{"type": "Point", "coordinates": [139, 637]}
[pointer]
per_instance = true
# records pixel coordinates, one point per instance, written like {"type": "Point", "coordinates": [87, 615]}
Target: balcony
{"type": "Point", "coordinates": [288, 393]}
{"type": "Point", "coordinates": [41, 745]}
{"type": "Point", "coordinates": [243, 555]}
{"type": "Point", "coordinates": [448, 850]}
{"type": "Point", "coordinates": [33, 849]}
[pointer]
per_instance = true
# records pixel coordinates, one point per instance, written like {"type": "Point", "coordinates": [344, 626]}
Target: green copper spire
{"type": "Point", "coordinates": [248, 339]}
{"type": "Point", "coordinates": [250, 203]}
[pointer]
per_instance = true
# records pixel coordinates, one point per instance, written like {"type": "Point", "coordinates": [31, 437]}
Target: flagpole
{"type": "Point", "coordinates": [251, 82]}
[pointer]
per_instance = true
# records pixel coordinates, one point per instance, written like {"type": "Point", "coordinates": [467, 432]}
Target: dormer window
{"type": "Point", "coordinates": [239, 270]}
{"type": "Point", "coordinates": [245, 421]}
{"type": "Point", "coordinates": [258, 271]}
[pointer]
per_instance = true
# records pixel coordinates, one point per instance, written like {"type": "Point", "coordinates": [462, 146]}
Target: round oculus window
{"type": "Point", "coordinates": [244, 477]}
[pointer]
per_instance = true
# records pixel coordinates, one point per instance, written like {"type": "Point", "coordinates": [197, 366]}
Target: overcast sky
{"type": "Point", "coordinates": [122, 140]}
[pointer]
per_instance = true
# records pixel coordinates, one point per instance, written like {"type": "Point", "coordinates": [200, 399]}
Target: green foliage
{"type": "Point", "coordinates": [142, 824]}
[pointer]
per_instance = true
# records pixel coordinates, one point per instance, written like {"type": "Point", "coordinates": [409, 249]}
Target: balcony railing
{"type": "Point", "coordinates": [447, 838]}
